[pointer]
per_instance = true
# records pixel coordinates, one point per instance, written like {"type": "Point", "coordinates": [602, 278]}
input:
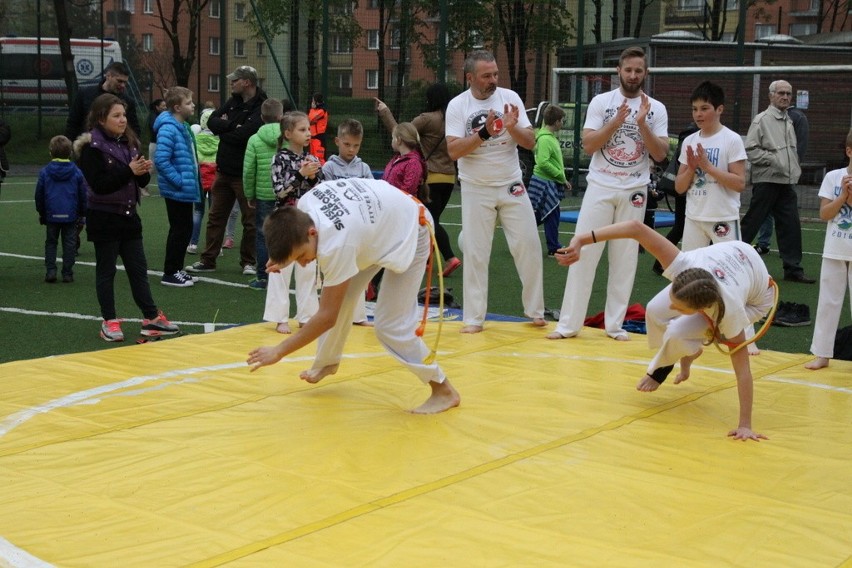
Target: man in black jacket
{"type": "Point", "coordinates": [234, 124]}
{"type": "Point", "coordinates": [116, 76]}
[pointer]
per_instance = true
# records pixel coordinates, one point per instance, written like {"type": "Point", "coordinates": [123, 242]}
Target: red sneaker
{"type": "Point", "coordinates": [451, 266]}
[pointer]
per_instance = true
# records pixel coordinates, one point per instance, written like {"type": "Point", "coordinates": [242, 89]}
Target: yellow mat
{"type": "Point", "coordinates": [173, 454]}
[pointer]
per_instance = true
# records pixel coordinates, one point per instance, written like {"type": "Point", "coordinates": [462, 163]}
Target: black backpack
{"type": "Point", "coordinates": [843, 344]}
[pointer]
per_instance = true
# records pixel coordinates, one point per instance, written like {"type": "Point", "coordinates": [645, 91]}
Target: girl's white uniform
{"type": "Point", "coordinates": [744, 283]}
{"type": "Point", "coordinates": [616, 191]}
{"type": "Point", "coordinates": [836, 272]}
{"type": "Point", "coordinates": [492, 188]}
{"type": "Point", "coordinates": [363, 226]}
{"type": "Point", "coordinates": [712, 210]}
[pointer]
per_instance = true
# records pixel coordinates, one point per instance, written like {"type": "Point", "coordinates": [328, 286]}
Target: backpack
{"type": "Point", "coordinates": [435, 295]}
{"type": "Point", "coordinates": [843, 344]}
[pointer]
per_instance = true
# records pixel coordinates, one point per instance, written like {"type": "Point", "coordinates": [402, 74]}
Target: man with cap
{"type": "Point", "coordinates": [234, 123]}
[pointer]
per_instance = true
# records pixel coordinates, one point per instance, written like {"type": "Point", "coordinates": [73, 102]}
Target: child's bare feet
{"type": "Point", "coordinates": [471, 329]}
{"type": "Point", "coordinates": [753, 349]}
{"type": "Point", "coordinates": [817, 363]}
{"type": "Point", "coordinates": [647, 384]}
{"type": "Point", "coordinates": [557, 335]}
{"type": "Point", "coordinates": [314, 376]}
{"type": "Point", "coordinates": [685, 364]}
{"type": "Point", "coordinates": [621, 337]}
{"type": "Point", "coordinates": [443, 397]}
{"type": "Point", "coordinates": [283, 327]}
{"type": "Point", "coordinates": [539, 322]}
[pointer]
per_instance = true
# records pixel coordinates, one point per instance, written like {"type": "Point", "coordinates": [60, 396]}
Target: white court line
{"type": "Point", "coordinates": [72, 315]}
{"type": "Point", "coordinates": [802, 383]}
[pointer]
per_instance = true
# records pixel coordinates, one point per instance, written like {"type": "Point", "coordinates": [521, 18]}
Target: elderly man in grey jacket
{"type": "Point", "coordinates": [771, 149]}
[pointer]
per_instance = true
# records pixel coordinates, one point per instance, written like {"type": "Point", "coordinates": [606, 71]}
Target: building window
{"type": "Point", "coordinates": [372, 79]}
{"type": "Point", "coordinates": [213, 83]}
{"type": "Point", "coordinates": [373, 4]}
{"type": "Point", "coordinates": [344, 81]}
{"type": "Point", "coordinates": [340, 44]}
{"type": "Point", "coordinates": [213, 46]}
{"type": "Point", "coordinates": [763, 30]}
{"type": "Point", "coordinates": [147, 42]}
{"type": "Point", "coordinates": [147, 7]}
{"type": "Point", "coordinates": [372, 39]}
{"type": "Point", "coordinates": [394, 37]}
{"type": "Point", "coordinates": [239, 12]}
{"type": "Point", "coordinates": [802, 29]}
{"type": "Point", "coordinates": [261, 49]}
{"type": "Point", "coordinates": [393, 75]}
{"type": "Point", "coordinates": [215, 9]}
{"type": "Point", "coordinates": [476, 40]}
{"type": "Point", "coordinates": [239, 48]}
{"type": "Point", "coordinates": [128, 6]}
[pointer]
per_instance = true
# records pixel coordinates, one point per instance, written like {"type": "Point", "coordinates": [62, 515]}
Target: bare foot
{"type": "Point", "coordinates": [753, 349]}
{"type": "Point", "coordinates": [443, 397]}
{"type": "Point", "coordinates": [647, 384]}
{"type": "Point", "coordinates": [471, 329]}
{"type": "Point", "coordinates": [365, 323]}
{"type": "Point", "coordinates": [314, 376]}
{"type": "Point", "coordinates": [557, 335]}
{"type": "Point", "coordinates": [539, 322]}
{"type": "Point", "coordinates": [685, 364]}
{"type": "Point", "coordinates": [817, 363]}
{"type": "Point", "coordinates": [621, 337]}
{"type": "Point", "coordinates": [283, 327]}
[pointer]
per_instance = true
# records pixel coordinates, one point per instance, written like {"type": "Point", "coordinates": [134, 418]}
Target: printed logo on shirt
{"type": "Point", "coordinates": [722, 229]}
{"type": "Point", "coordinates": [477, 121]}
{"type": "Point", "coordinates": [625, 148]}
{"type": "Point", "coordinates": [719, 274]}
{"type": "Point", "coordinates": [637, 199]}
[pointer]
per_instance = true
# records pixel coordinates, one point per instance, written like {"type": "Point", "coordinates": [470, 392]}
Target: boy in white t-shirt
{"type": "Point", "coordinates": [712, 171]}
{"type": "Point", "coordinates": [353, 228]}
{"type": "Point", "coordinates": [836, 273]}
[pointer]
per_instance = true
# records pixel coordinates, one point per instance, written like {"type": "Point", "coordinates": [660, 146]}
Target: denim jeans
{"type": "Point", "coordinates": [68, 232]}
{"type": "Point", "coordinates": [262, 210]}
{"type": "Point", "coordinates": [197, 217]}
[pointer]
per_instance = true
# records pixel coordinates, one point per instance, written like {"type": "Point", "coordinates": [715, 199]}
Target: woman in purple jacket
{"type": "Point", "coordinates": [108, 154]}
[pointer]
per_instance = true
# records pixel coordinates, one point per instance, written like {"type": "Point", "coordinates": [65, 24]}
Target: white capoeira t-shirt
{"type": "Point", "coordinates": [623, 162]}
{"type": "Point", "coordinates": [361, 223]}
{"type": "Point", "coordinates": [838, 233]}
{"type": "Point", "coordinates": [495, 162]}
{"type": "Point", "coordinates": [742, 277]}
{"type": "Point", "coordinates": [707, 200]}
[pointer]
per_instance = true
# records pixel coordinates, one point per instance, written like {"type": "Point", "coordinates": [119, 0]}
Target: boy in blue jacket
{"type": "Point", "coordinates": [177, 178]}
{"type": "Point", "coordinates": [60, 199]}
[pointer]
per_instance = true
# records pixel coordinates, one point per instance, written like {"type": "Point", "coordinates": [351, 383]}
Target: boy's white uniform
{"type": "Point", "coordinates": [616, 191]}
{"type": "Point", "coordinates": [338, 168]}
{"type": "Point", "coordinates": [836, 271]}
{"type": "Point", "coordinates": [744, 283]}
{"type": "Point", "coordinates": [712, 210]}
{"type": "Point", "coordinates": [490, 179]}
{"type": "Point", "coordinates": [363, 226]}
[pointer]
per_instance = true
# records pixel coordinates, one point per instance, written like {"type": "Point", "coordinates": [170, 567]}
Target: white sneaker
{"type": "Point", "coordinates": [249, 270]}
{"type": "Point", "coordinates": [192, 249]}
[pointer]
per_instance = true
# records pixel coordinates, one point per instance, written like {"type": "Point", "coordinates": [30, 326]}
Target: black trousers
{"type": "Point", "coordinates": [780, 200]}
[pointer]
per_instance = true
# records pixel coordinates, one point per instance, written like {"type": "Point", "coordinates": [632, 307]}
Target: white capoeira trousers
{"type": "Point", "coordinates": [674, 334]}
{"type": "Point", "coordinates": [482, 206]}
{"type": "Point", "coordinates": [602, 207]}
{"type": "Point", "coordinates": [395, 320]}
{"type": "Point", "coordinates": [278, 293]}
{"type": "Point", "coordinates": [697, 234]}
{"type": "Point", "coordinates": [834, 278]}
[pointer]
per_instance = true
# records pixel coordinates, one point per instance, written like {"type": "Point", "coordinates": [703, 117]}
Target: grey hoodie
{"type": "Point", "coordinates": [337, 168]}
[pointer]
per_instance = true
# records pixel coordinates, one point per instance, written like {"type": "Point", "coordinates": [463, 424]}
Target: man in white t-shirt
{"type": "Point", "coordinates": [484, 126]}
{"type": "Point", "coordinates": [353, 228]}
{"type": "Point", "coordinates": [712, 171]}
{"type": "Point", "coordinates": [624, 129]}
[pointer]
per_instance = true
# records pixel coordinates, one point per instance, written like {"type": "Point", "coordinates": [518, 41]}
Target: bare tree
{"type": "Point", "coordinates": [174, 23]}
{"type": "Point", "coordinates": [832, 15]}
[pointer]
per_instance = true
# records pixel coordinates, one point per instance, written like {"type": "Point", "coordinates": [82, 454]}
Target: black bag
{"type": "Point", "coordinates": [843, 344]}
{"type": "Point", "coordinates": [435, 296]}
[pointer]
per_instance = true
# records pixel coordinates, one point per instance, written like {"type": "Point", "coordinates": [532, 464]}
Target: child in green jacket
{"type": "Point", "coordinates": [548, 183]}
